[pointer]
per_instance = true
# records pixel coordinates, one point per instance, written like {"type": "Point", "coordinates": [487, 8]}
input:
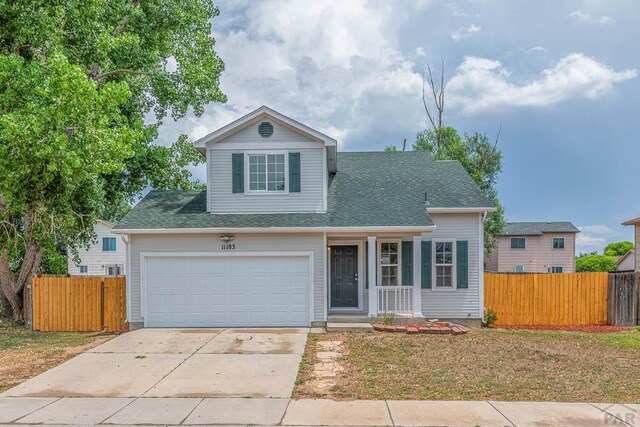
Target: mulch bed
{"type": "Point", "coordinates": [576, 328]}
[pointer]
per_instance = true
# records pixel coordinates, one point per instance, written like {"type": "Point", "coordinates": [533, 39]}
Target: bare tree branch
{"type": "Point", "coordinates": [498, 135]}
{"type": "Point", "coordinates": [117, 72]}
{"type": "Point", "coordinates": [437, 95]}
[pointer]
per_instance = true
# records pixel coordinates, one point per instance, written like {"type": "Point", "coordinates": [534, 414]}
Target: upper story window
{"type": "Point", "coordinates": [267, 172]}
{"type": "Point", "coordinates": [558, 243]}
{"type": "Point", "coordinates": [444, 265]}
{"type": "Point", "coordinates": [108, 244]}
{"type": "Point", "coordinates": [518, 243]}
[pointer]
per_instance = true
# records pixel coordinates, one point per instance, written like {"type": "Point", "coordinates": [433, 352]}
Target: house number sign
{"type": "Point", "coordinates": [228, 246]}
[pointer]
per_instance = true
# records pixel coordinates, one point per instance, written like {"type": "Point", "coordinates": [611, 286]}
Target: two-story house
{"type": "Point", "coordinates": [636, 253]}
{"type": "Point", "coordinates": [535, 247]}
{"type": "Point", "coordinates": [104, 257]}
{"type": "Point", "coordinates": [290, 231]}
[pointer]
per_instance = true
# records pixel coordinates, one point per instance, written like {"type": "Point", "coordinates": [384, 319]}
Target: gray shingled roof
{"type": "Point", "coordinates": [376, 189]}
{"type": "Point", "coordinates": [537, 228]}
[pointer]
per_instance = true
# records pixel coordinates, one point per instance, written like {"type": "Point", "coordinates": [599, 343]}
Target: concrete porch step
{"type": "Point", "coordinates": [347, 318]}
{"type": "Point", "coordinates": [349, 327]}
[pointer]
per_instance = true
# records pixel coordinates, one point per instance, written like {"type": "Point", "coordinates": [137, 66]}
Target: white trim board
{"type": "Point", "coordinates": [144, 274]}
{"type": "Point", "coordinates": [374, 229]}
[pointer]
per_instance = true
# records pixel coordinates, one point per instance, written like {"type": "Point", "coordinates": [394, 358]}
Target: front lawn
{"type": "Point", "coordinates": [25, 353]}
{"type": "Point", "coordinates": [485, 364]}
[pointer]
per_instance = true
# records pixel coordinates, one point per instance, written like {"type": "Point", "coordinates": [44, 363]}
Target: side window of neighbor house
{"type": "Point", "coordinates": [84, 269]}
{"type": "Point", "coordinates": [108, 244]}
{"type": "Point", "coordinates": [518, 243]}
{"type": "Point", "coordinates": [558, 243]}
{"type": "Point", "coordinates": [518, 268]}
{"type": "Point", "coordinates": [554, 269]}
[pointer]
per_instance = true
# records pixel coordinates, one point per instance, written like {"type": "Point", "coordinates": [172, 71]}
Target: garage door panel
{"type": "Point", "coordinates": [227, 291]}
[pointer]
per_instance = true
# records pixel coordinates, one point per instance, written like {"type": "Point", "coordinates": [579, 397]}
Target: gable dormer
{"type": "Point", "coordinates": [266, 162]}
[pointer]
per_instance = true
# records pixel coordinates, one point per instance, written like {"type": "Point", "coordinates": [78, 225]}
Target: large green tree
{"type": "Point", "coordinates": [618, 248]}
{"type": "Point", "coordinates": [481, 158]}
{"type": "Point", "coordinates": [84, 86]}
{"type": "Point", "coordinates": [591, 262]}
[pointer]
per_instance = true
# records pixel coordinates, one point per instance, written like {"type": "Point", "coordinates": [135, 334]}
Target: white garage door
{"type": "Point", "coordinates": [227, 291]}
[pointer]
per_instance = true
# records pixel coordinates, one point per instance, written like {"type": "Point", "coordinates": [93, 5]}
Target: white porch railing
{"type": "Point", "coordinates": [395, 299]}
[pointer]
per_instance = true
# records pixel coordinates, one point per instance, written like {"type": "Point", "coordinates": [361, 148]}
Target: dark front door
{"type": "Point", "coordinates": [344, 276]}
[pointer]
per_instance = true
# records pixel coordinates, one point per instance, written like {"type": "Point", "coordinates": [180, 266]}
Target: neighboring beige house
{"type": "Point", "coordinates": [636, 223]}
{"type": "Point", "coordinates": [627, 262]}
{"type": "Point", "coordinates": [535, 247]}
{"type": "Point", "coordinates": [106, 257]}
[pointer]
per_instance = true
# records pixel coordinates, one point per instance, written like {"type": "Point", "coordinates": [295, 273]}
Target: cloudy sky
{"type": "Point", "coordinates": [562, 77]}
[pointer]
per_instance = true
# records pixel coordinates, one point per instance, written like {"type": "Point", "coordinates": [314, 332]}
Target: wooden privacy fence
{"type": "Point", "coordinates": [624, 299]}
{"type": "Point", "coordinates": [547, 299]}
{"type": "Point", "coordinates": [79, 304]}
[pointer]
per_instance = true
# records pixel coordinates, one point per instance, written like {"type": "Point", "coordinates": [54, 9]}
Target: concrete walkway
{"type": "Point", "coordinates": [280, 411]}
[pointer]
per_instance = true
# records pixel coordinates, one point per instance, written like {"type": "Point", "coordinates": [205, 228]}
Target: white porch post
{"type": "Point", "coordinates": [372, 269]}
{"type": "Point", "coordinates": [417, 278]}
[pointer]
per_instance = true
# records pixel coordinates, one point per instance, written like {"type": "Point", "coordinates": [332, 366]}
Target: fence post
{"type": "Point", "coordinates": [102, 304]}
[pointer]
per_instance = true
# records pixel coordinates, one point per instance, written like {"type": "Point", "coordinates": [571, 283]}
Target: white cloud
{"type": "Point", "coordinates": [465, 32]}
{"type": "Point", "coordinates": [585, 17]}
{"type": "Point", "coordinates": [337, 69]}
{"type": "Point", "coordinates": [535, 49]}
{"type": "Point", "coordinates": [594, 238]}
{"type": "Point", "coordinates": [482, 84]}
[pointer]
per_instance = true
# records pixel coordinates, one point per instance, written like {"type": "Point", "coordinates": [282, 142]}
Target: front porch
{"type": "Point", "coordinates": [369, 276]}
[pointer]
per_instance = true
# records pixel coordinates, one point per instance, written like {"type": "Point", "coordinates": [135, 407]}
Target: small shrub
{"type": "Point", "coordinates": [387, 319]}
{"type": "Point", "coordinates": [490, 317]}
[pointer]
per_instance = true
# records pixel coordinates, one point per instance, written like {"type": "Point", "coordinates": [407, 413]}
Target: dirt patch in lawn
{"type": "Point", "coordinates": [25, 353]}
{"type": "Point", "coordinates": [485, 364]}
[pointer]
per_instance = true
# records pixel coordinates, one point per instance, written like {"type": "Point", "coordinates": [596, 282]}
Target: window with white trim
{"type": "Point", "coordinates": [267, 172]}
{"type": "Point", "coordinates": [444, 265]}
{"type": "Point", "coordinates": [558, 243]}
{"type": "Point", "coordinates": [554, 269]}
{"type": "Point", "coordinates": [518, 268]}
{"type": "Point", "coordinates": [389, 263]}
{"type": "Point", "coordinates": [84, 269]}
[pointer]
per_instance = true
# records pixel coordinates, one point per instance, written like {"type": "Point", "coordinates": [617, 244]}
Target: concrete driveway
{"type": "Point", "coordinates": [259, 363]}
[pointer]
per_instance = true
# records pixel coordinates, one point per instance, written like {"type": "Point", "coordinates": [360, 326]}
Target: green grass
{"type": "Point", "coordinates": [630, 340]}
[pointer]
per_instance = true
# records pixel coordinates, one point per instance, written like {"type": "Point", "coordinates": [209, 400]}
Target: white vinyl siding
{"type": "Point", "coordinates": [248, 141]}
{"type": "Point", "coordinates": [459, 303]}
{"type": "Point", "coordinates": [95, 259]}
{"type": "Point", "coordinates": [211, 243]}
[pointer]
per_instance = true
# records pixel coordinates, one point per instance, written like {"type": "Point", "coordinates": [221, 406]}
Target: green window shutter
{"type": "Point", "coordinates": [237, 165]}
{"type": "Point", "coordinates": [425, 270]}
{"type": "Point", "coordinates": [294, 172]}
{"type": "Point", "coordinates": [407, 263]}
{"type": "Point", "coordinates": [105, 244]}
{"type": "Point", "coordinates": [462, 264]}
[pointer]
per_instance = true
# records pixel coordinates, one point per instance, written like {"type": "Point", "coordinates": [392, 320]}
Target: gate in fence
{"type": "Point", "coordinates": [623, 308]}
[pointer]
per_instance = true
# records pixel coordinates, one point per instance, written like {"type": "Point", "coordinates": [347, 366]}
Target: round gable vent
{"type": "Point", "coordinates": [265, 129]}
